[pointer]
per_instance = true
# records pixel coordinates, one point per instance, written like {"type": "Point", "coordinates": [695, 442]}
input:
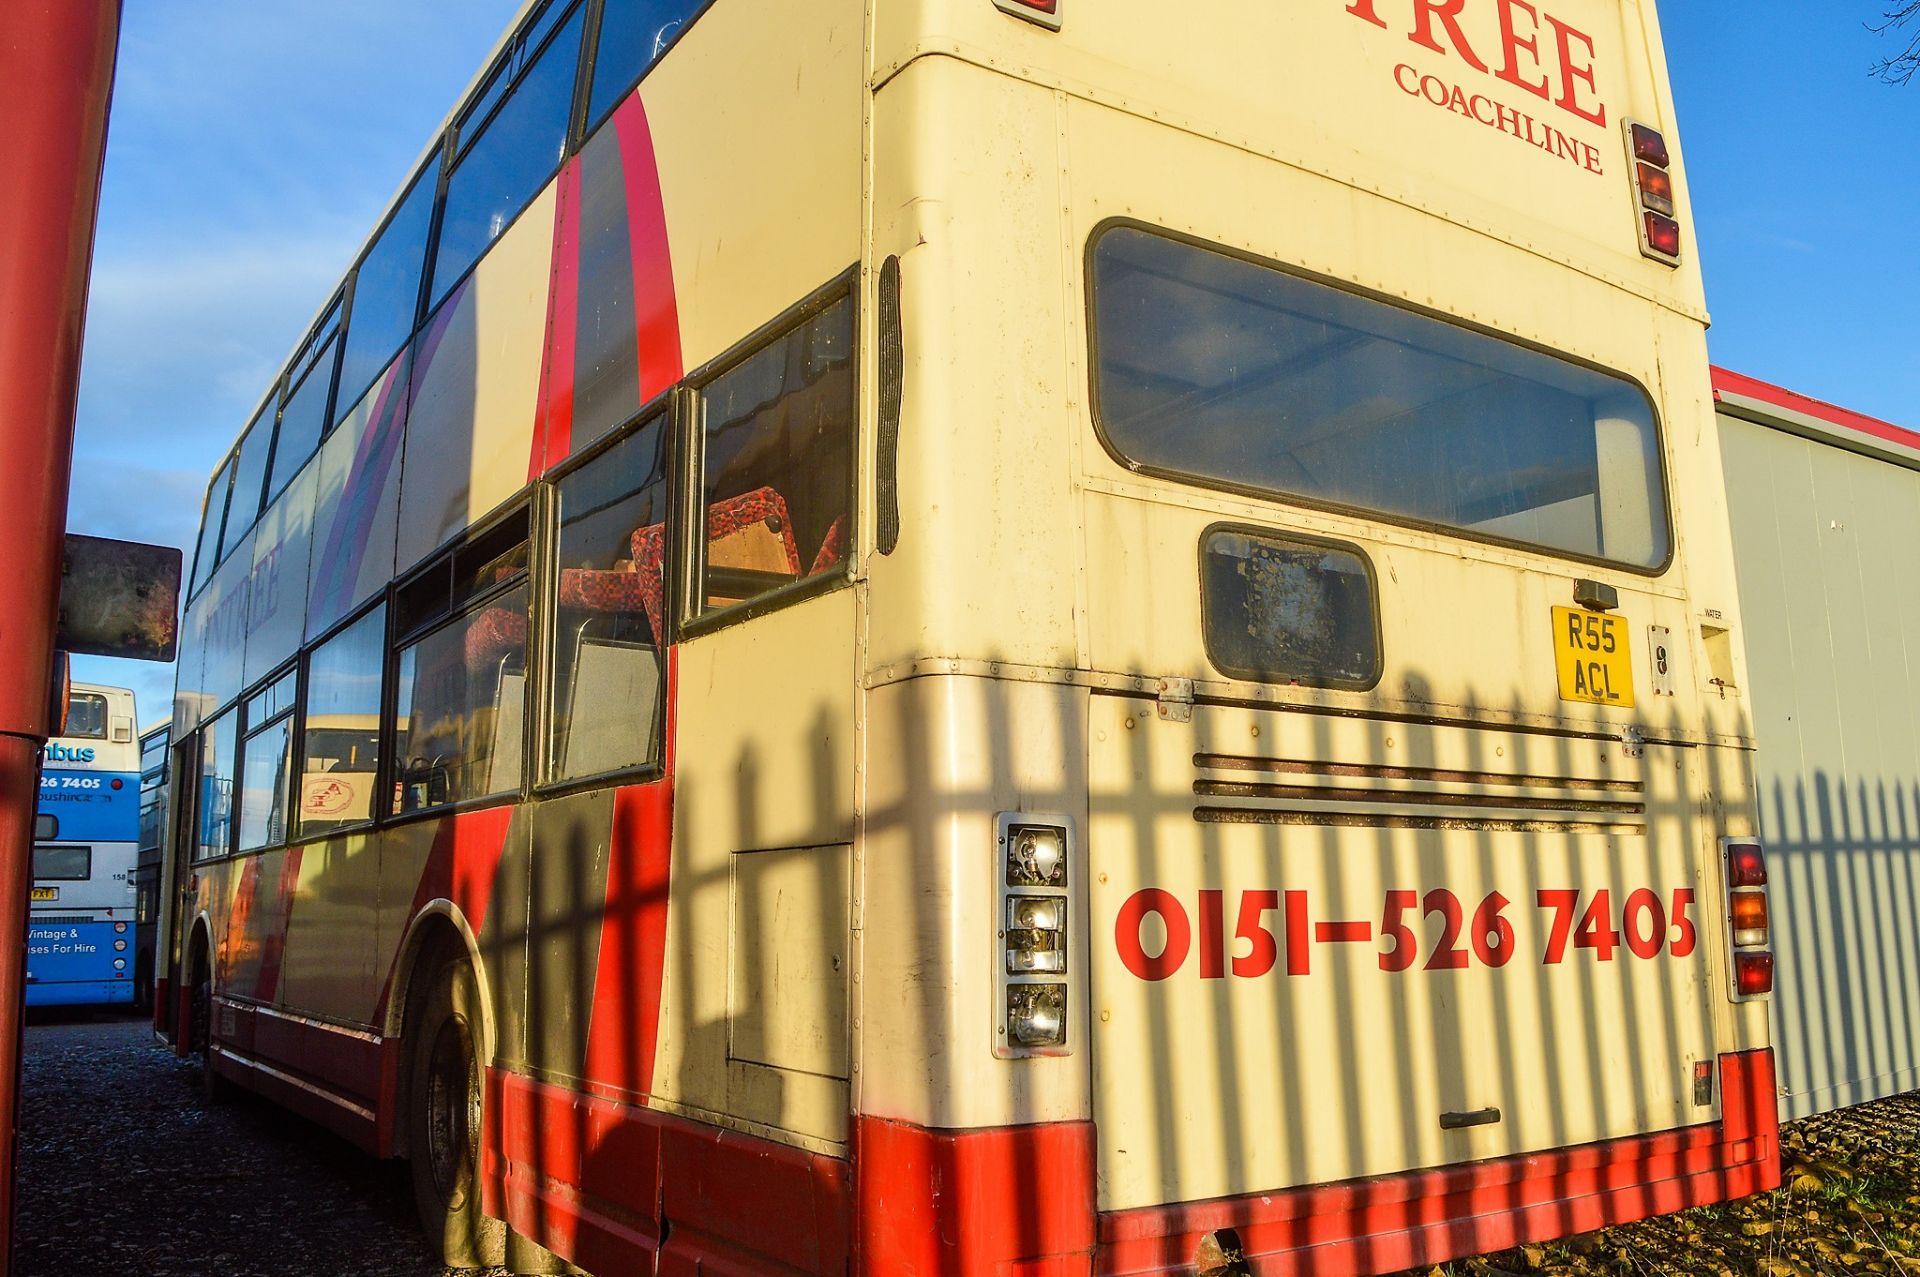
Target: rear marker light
{"type": "Point", "coordinates": [1753, 973]}
{"type": "Point", "coordinates": [1045, 13]}
{"type": "Point", "coordinates": [1031, 926]}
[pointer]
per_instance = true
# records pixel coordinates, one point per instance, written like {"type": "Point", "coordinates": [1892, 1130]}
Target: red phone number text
{"type": "Point", "coordinates": [1645, 925]}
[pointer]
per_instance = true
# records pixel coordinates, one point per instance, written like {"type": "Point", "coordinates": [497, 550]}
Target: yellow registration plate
{"type": "Point", "coordinates": [1590, 654]}
{"type": "Point", "coordinates": [45, 893]}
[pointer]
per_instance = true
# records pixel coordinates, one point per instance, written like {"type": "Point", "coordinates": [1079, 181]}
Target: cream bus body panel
{"type": "Point", "coordinates": [989, 189]}
{"type": "Point", "coordinates": [470, 426]}
{"type": "Point", "coordinates": [1313, 86]}
{"type": "Point", "coordinates": [1824, 536]}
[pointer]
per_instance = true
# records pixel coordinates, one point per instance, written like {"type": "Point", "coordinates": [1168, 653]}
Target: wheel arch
{"type": "Point", "coordinates": [439, 925]}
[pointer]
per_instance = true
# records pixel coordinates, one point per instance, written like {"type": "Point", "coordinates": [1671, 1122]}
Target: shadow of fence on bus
{"type": "Point", "coordinates": [1198, 1088]}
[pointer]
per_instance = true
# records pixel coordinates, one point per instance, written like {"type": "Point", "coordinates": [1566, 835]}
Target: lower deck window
{"type": "Point", "coordinates": [62, 864]}
{"type": "Point", "coordinates": [462, 697]}
{"type": "Point", "coordinates": [777, 463]}
{"type": "Point", "coordinates": [609, 610]}
{"type": "Point", "coordinates": [1241, 375]}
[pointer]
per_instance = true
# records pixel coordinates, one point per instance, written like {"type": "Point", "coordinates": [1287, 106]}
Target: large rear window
{"type": "Point", "coordinates": [1232, 373]}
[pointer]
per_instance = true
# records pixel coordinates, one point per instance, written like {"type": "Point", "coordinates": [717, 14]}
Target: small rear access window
{"type": "Point", "coordinates": [1236, 374]}
{"type": "Point", "coordinates": [1282, 609]}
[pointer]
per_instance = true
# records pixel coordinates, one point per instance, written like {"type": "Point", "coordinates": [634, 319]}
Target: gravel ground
{"type": "Point", "coordinates": [124, 1169]}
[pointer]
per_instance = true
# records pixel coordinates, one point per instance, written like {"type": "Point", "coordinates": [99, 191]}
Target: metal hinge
{"type": "Point", "coordinates": [1636, 744]}
{"type": "Point", "coordinates": [1175, 703]}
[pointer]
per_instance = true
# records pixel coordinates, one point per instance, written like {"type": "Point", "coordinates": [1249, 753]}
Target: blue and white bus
{"type": "Point", "coordinates": [80, 933]}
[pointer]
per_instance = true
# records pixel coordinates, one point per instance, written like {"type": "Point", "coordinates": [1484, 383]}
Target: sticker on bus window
{"type": "Point", "coordinates": [41, 894]}
{"type": "Point", "coordinates": [1592, 657]}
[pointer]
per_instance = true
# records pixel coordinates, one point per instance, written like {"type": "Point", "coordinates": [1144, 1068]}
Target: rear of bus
{"type": "Point", "coordinates": [1308, 775]}
{"type": "Point", "coordinates": [80, 931]}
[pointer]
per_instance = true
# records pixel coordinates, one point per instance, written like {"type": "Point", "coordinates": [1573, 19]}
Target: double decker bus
{"type": "Point", "coordinates": [80, 928]}
{"type": "Point", "coordinates": [154, 752]}
{"type": "Point", "coordinates": [997, 637]}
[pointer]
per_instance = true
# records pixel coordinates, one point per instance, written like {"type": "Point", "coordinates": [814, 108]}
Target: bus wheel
{"type": "Point", "coordinates": [200, 1030]}
{"type": "Point", "coordinates": [443, 1121]}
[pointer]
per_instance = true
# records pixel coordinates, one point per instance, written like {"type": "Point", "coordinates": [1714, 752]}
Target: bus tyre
{"type": "Point", "coordinates": [443, 1120]}
{"type": "Point", "coordinates": [200, 1029]}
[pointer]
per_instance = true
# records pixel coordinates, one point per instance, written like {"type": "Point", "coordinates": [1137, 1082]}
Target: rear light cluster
{"type": "Point", "coordinates": [1030, 970]}
{"type": "Point", "coordinates": [1653, 182]}
{"type": "Point", "coordinates": [1749, 928]}
{"type": "Point", "coordinates": [1044, 12]}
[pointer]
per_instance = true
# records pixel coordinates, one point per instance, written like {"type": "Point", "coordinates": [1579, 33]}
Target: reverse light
{"type": "Point", "coordinates": [119, 964]}
{"type": "Point", "coordinates": [1753, 974]}
{"type": "Point", "coordinates": [1031, 926]}
{"type": "Point", "coordinates": [1036, 856]}
{"type": "Point", "coordinates": [1656, 189]}
{"type": "Point", "coordinates": [1046, 13]}
{"type": "Point", "coordinates": [1748, 913]}
{"type": "Point", "coordinates": [1653, 191]}
{"type": "Point", "coordinates": [1037, 1016]}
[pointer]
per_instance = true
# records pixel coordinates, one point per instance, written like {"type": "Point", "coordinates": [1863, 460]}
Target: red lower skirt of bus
{"type": "Point", "coordinates": [1017, 1201]}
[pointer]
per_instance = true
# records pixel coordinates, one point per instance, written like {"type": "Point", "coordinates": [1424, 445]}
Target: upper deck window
{"type": "Point", "coordinates": [506, 157]}
{"type": "Point", "coordinates": [633, 33]}
{"type": "Point", "coordinates": [250, 476]}
{"type": "Point", "coordinates": [86, 716]}
{"type": "Point", "coordinates": [386, 292]}
{"type": "Point", "coordinates": [1236, 374]}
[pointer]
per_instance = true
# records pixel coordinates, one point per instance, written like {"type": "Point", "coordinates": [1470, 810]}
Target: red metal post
{"type": "Point", "coordinates": [56, 76]}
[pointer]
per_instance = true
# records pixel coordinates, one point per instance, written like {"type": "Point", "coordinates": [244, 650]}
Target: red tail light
{"type": "Point", "coordinates": [1648, 145]}
{"type": "Point", "coordinates": [1746, 865]}
{"type": "Point", "coordinates": [1653, 191]}
{"type": "Point", "coordinates": [1663, 235]}
{"type": "Point", "coordinates": [1753, 974]}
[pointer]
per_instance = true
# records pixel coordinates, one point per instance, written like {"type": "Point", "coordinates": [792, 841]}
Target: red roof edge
{"type": "Point", "coordinates": [1766, 392]}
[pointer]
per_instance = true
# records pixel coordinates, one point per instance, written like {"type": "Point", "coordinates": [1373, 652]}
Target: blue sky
{"type": "Point", "coordinates": [253, 145]}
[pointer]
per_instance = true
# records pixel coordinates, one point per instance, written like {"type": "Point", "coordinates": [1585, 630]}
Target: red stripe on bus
{"type": "Point", "coordinates": [274, 942]}
{"type": "Point", "coordinates": [656, 311]}
{"type": "Point", "coordinates": [1016, 1200]}
{"type": "Point", "coordinates": [236, 940]}
{"type": "Point", "coordinates": [623, 1034]}
{"type": "Point", "coordinates": [598, 1182]}
{"type": "Point", "coordinates": [461, 867]}
{"type": "Point", "coordinates": [1429, 1217]}
{"type": "Point", "coordinates": [1733, 383]}
{"type": "Point", "coordinates": [553, 419]}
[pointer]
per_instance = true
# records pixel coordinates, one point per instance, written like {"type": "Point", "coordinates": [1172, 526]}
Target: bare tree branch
{"type": "Point", "coordinates": [1900, 67]}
